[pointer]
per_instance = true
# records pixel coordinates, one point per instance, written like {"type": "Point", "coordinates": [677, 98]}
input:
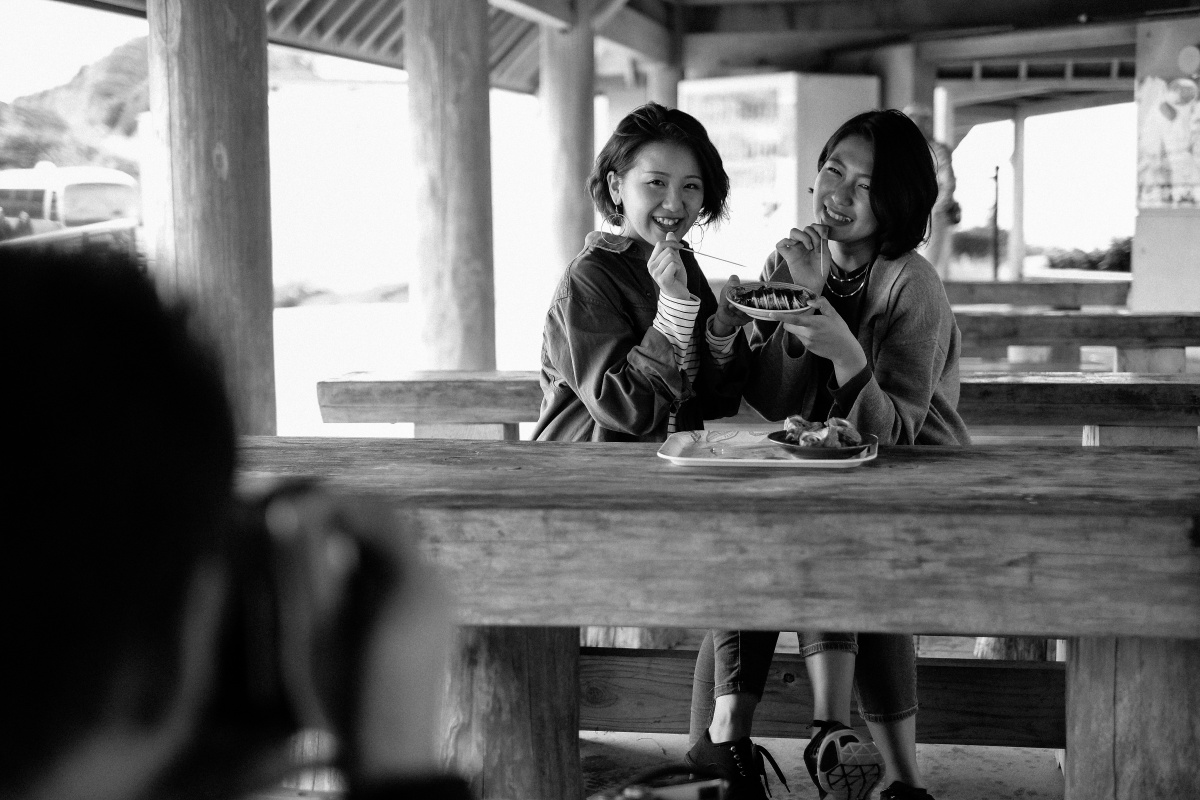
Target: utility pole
{"type": "Point", "coordinates": [996, 224]}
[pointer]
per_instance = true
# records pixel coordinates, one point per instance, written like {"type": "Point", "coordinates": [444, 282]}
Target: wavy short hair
{"type": "Point", "coordinates": [656, 123]}
{"type": "Point", "coordinates": [904, 179]}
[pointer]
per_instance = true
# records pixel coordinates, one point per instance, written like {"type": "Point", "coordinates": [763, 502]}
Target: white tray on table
{"type": "Point", "coordinates": [748, 448]}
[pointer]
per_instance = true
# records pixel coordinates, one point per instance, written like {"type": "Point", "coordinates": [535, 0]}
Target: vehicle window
{"type": "Point", "coordinates": [85, 203]}
{"type": "Point", "coordinates": [14, 201]}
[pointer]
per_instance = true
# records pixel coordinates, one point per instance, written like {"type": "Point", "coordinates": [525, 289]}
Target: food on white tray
{"type": "Point", "coordinates": [767, 297]}
{"type": "Point", "coordinates": [834, 432]}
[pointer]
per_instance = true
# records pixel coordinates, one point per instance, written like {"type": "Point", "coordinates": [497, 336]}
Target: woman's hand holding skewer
{"type": "Point", "coordinates": [806, 251]}
{"type": "Point", "coordinates": [666, 267]}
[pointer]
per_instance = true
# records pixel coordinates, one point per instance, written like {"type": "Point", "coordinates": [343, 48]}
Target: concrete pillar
{"type": "Point", "coordinates": [906, 79]}
{"type": "Point", "coordinates": [1166, 247]}
{"type": "Point", "coordinates": [446, 55]}
{"type": "Point", "coordinates": [1016, 236]}
{"type": "Point", "coordinates": [212, 214]}
{"type": "Point", "coordinates": [662, 84]}
{"type": "Point", "coordinates": [567, 93]}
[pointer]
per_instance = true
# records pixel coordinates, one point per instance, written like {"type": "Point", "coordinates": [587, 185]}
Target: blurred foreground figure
{"type": "Point", "coordinates": [167, 638]}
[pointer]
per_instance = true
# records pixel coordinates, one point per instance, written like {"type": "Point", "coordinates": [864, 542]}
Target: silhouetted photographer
{"type": "Point", "coordinates": [166, 636]}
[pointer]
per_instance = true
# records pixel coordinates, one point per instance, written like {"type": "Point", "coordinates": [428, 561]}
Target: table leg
{"type": "Point", "coordinates": [512, 713]}
{"type": "Point", "coordinates": [1133, 718]}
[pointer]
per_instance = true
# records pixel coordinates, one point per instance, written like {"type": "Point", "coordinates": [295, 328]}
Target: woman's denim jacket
{"type": "Point", "coordinates": [607, 373]}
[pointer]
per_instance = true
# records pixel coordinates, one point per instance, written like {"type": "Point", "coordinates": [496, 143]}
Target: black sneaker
{"type": "Point", "coordinates": [741, 762]}
{"type": "Point", "coordinates": [842, 765]}
{"type": "Point", "coordinates": [899, 790]}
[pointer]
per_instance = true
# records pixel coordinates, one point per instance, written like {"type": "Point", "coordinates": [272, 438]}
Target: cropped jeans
{"type": "Point", "coordinates": [885, 670]}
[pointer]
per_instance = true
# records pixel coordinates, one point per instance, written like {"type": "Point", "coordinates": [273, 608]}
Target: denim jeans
{"type": "Point", "coordinates": [885, 670]}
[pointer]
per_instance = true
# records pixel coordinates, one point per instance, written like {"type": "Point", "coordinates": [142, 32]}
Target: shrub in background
{"type": "Point", "coordinates": [977, 242]}
{"type": "Point", "coordinates": [1117, 258]}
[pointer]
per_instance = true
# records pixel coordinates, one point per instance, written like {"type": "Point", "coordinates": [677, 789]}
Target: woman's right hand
{"type": "Point", "coordinates": [806, 251]}
{"type": "Point", "coordinates": [666, 267]}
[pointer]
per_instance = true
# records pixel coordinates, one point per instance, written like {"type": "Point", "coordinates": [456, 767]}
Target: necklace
{"type": "Point", "coordinates": [860, 278]}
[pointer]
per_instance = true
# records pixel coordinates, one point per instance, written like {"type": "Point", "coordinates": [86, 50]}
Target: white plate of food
{"type": "Point", "coordinates": [771, 300]}
{"type": "Point", "coordinates": [747, 448]}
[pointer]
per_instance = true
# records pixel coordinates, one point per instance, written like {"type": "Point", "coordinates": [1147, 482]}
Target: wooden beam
{"type": "Point", "coordinates": [963, 701]}
{"type": "Point", "coordinates": [910, 16]}
{"type": "Point", "coordinates": [557, 14]}
{"type": "Point", "coordinates": [1032, 42]}
{"type": "Point", "coordinates": [639, 34]}
{"type": "Point", "coordinates": [968, 92]}
{"type": "Point", "coordinates": [209, 180]}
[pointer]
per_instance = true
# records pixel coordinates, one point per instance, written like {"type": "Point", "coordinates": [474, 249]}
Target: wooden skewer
{"type": "Point", "coordinates": [718, 258]}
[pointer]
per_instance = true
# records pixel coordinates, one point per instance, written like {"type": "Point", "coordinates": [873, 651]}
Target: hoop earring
{"type": "Point", "coordinates": [617, 221]}
{"type": "Point", "coordinates": [697, 245]}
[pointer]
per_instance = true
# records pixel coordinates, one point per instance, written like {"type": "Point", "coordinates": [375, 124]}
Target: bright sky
{"type": "Point", "coordinates": [1080, 166]}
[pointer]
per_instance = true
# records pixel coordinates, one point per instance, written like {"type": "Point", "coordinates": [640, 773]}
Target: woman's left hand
{"type": "Point", "coordinates": [824, 333]}
{"type": "Point", "coordinates": [728, 319]}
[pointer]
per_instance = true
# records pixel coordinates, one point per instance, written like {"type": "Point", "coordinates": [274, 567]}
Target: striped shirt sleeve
{"type": "Point", "coordinates": [721, 347]}
{"type": "Point", "coordinates": [676, 319]}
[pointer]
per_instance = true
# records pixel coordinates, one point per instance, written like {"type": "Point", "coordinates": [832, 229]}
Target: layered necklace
{"type": "Point", "coordinates": [842, 285]}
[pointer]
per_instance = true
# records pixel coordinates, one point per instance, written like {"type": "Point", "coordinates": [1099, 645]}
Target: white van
{"type": "Point", "coordinates": [58, 197]}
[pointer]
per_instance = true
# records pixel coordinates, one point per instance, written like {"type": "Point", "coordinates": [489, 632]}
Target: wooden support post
{"type": "Point", "coordinates": [512, 695]}
{"type": "Point", "coordinates": [210, 224]}
{"type": "Point", "coordinates": [513, 712]}
{"type": "Point", "coordinates": [567, 89]}
{"type": "Point", "coordinates": [446, 55]}
{"type": "Point", "coordinates": [1133, 718]}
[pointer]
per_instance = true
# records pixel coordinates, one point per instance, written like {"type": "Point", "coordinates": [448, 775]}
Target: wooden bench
{"type": "Point", "coordinates": [1109, 408]}
{"type": "Point", "coordinates": [541, 537]}
{"type": "Point", "coordinates": [1046, 293]}
{"type": "Point", "coordinates": [1146, 342]}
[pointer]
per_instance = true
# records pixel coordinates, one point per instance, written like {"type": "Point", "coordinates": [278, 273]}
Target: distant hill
{"type": "Point", "coordinates": [92, 119]}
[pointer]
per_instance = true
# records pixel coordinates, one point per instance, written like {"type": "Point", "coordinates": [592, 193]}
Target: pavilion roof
{"type": "Point", "coordinates": [1063, 53]}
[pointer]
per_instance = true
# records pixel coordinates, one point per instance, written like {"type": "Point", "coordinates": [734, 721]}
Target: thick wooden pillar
{"type": "Point", "coordinates": [567, 75]}
{"type": "Point", "coordinates": [210, 218]}
{"type": "Point", "coordinates": [512, 696]}
{"type": "Point", "coordinates": [1133, 718]}
{"type": "Point", "coordinates": [446, 56]}
{"type": "Point", "coordinates": [513, 713]}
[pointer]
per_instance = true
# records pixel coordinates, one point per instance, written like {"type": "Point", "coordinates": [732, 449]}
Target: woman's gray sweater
{"type": "Point", "coordinates": [909, 389]}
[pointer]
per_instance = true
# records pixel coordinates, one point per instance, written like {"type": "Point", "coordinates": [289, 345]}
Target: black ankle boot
{"type": "Point", "coordinates": [741, 762]}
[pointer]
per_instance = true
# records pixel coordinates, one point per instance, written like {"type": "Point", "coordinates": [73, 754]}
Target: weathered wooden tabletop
{"type": "Point", "coordinates": [1020, 540]}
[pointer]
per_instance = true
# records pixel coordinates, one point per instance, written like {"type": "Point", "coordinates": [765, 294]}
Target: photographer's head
{"type": "Point", "coordinates": [121, 452]}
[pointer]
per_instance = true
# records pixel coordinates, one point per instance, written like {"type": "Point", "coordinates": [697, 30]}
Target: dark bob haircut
{"type": "Point", "coordinates": [904, 180]}
{"type": "Point", "coordinates": [655, 123]}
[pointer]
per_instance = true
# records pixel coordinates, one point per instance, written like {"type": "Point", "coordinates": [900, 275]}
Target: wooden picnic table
{"type": "Point", "coordinates": [1099, 544]}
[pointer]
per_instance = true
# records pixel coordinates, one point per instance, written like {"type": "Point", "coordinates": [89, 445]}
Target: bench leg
{"type": "Point", "coordinates": [1133, 718]}
{"type": "Point", "coordinates": [512, 713]}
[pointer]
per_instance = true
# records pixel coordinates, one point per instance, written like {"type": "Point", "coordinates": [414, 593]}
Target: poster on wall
{"type": "Point", "coordinates": [1169, 136]}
